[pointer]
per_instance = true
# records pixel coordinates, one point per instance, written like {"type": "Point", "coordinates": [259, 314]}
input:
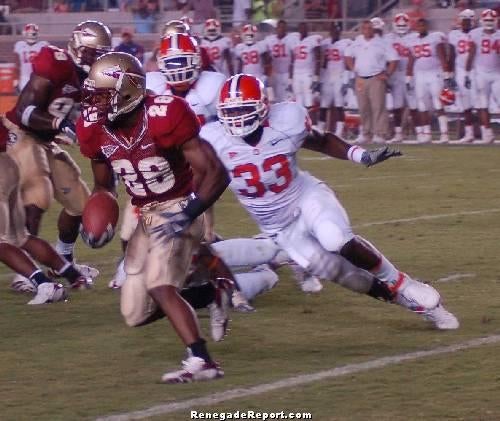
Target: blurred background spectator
{"type": "Point", "coordinates": [129, 46]}
{"type": "Point", "coordinates": [4, 29]}
{"type": "Point", "coordinates": [316, 9]}
{"type": "Point", "coordinates": [145, 16]}
{"type": "Point", "coordinates": [202, 10]}
{"type": "Point", "coordinates": [242, 11]}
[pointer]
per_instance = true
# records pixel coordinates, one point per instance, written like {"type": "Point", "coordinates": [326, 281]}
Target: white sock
{"type": "Point", "coordinates": [321, 125]}
{"type": "Point", "coordinates": [426, 130]}
{"type": "Point", "coordinates": [486, 132]}
{"type": "Point", "coordinates": [398, 130]}
{"type": "Point", "coordinates": [469, 131]}
{"type": "Point", "coordinates": [256, 282]}
{"type": "Point", "coordinates": [419, 129]}
{"type": "Point", "coordinates": [385, 270]}
{"type": "Point", "coordinates": [64, 248]}
{"type": "Point", "coordinates": [340, 128]}
{"type": "Point", "coordinates": [443, 124]}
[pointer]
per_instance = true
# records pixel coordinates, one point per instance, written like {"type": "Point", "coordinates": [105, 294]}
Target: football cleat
{"type": "Point", "coordinates": [120, 276]}
{"type": "Point", "coordinates": [466, 140]}
{"type": "Point", "coordinates": [442, 318]}
{"type": "Point", "coordinates": [443, 139]}
{"type": "Point", "coordinates": [398, 138]}
{"type": "Point", "coordinates": [219, 310]}
{"type": "Point", "coordinates": [83, 283]}
{"type": "Point", "coordinates": [87, 271]}
{"type": "Point", "coordinates": [23, 284]}
{"type": "Point", "coordinates": [378, 139]}
{"type": "Point", "coordinates": [361, 140]}
{"type": "Point", "coordinates": [240, 303]}
{"type": "Point", "coordinates": [193, 369]}
{"type": "Point", "coordinates": [49, 292]}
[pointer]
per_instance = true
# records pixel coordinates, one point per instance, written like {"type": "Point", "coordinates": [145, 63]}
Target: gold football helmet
{"type": "Point", "coordinates": [175, 27]}
{"type": "Point", "coordinates": [89, 40]}
{"type": "Point", "coordinates": [116, 85]}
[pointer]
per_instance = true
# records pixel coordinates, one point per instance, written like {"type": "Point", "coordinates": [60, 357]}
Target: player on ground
{"type": "Point", "coordinates": [306, 65]}
{"type": "Point", "coordinates": [280, 47]}
{"type": "Point", "coordinates": [258, 146]}
{"type": "Point", "coordinates": [428, 68]}
{"type": "Point", "coordinates": [334, 80]}
{"type": "Point", "coordinates": [152, 143]}
{"type": "Point", "coordinates": [485, 53]}
{"type": "Point", "coordinates": [218, 47]}
{"type": "Point", "coordinates": [401, 97]}
{"type": "Point", "coordinates": [25, 51]}
{"type": "Point", "coordinates": [44, 112]}
{"type": "Point", "coordinates": [460, 42]}
{"type": "Point", "coordinates": [252, 55]}
{"type": "Point", "coordinates": [17, 247]}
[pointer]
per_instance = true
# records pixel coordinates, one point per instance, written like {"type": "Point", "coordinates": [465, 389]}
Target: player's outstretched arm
{"type": "Point", "coordinates": [103, 176]}
{"type": "Point", "coordinates": [332, 145]}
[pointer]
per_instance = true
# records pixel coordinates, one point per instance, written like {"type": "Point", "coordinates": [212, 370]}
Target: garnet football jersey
{"type": "Point", "coordinates": [265, 178]}
{"type": "Point", "coordinates": [55, 65]}
{"type": "Point", "coordinates": [148, 157]}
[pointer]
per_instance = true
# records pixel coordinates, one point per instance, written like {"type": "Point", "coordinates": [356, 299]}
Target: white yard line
{"type": "Point", "coordinates": [456, 277]}
{"type": "Point", "coordinates": [300, 380]}
{"type": "Point", "coordinates": [428, 217]}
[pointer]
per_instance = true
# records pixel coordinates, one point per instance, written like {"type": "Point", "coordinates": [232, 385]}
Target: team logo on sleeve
{"type": "Point", "coordinates": [108, 150]}
{"type": "Point", "coordinates": [12, 139]}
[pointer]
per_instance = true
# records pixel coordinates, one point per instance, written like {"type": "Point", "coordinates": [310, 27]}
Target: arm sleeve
{"type": "Point", "coordinates": [53, 65]}
{"type": "Point", "coordinates": [88, 140]}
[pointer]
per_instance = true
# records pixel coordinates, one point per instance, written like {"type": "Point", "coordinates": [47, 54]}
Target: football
{"type": "Point", "coordinates": [100, 210]}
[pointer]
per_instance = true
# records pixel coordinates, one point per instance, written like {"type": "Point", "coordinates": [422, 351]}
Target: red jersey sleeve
{"type": "Point", "coordinates": [88, 139]}
{"type": "Point", "coordinates": [179, 125]}
{"type": "Point", "coordinates": [4, 136]}
{"type": "Point", "coordinates": [53, 64]}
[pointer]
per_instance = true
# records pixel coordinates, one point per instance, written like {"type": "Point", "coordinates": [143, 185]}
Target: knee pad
{"type": "Point", "coordinates": [331, 237]}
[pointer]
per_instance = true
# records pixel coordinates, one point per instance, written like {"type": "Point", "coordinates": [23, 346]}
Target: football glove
{"type": "Point", "coordinates": [376, 156]}
{"type": "Point", "coordinates": [176, 223]}
{"type": "Point", "coordinates": [95, 243]}
{"type": "Point", "coordinates": [409, 83]}
{"type": "Point", "coordinates": [450, 83]}
{"type": "Point", "coordinates": [316, 87]}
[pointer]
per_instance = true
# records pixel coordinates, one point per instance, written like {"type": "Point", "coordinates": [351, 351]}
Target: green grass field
{"type": "Point", "coordinates": [77, 360]}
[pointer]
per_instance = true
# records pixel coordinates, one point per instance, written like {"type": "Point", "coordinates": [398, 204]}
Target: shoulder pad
{"type": "Point", "coordinates": [209, 85]}
{"type": "Point", "coordinates": [213, 133]}
{"type": "Point", "coordinates": [156, 83]}
{"type": "Point", "coordinates": [289, 117]}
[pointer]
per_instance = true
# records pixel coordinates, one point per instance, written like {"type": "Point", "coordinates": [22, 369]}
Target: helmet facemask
{"type": "Point", "coordinates": [241, 118]}
{"type": "Point", "coordinates": [180, 68]}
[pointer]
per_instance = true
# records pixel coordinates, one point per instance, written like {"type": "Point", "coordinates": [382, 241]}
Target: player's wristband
{"type": "Point", "coordinates": [355, 153]}
{"type": "Point", "coordinates": [194, 207]}
{"type": "Point", "coordinates": [447, 75]}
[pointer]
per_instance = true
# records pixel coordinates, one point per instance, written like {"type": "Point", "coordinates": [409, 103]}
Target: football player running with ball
{"type": "Point", "coordinates": [152, 143]}
{"type": "Point", "coordinates": [258, 145]}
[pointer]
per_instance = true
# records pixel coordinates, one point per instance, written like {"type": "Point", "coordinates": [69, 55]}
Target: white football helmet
{"type": "Point", "coordinates": [377, 23]}
{"type": "Point", "coordinates": [489, 19]}
{"type": "Point", "coordinates": [30, 32]}
{"type": "Point", "coordinates": [401, 23]}
{"type": "Point", "coordinates": [466, 14]}
{"type": "Point", "coordinates": [243, 104]}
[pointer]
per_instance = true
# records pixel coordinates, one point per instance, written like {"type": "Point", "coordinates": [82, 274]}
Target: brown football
{"type": "Point", "coordinates": [100, 210]}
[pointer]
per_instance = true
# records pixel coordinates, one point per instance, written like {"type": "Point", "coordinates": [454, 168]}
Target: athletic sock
{"type": "Point", "coordinates": [443, 124]}
{"type": "Point", "coordinates": [340, 128]}
{"type": "Point", "coordinates": [38, 277]}
{"type": "Point", "coordinates": [65, 249]}
{"type": "Point", "coordinates": [199, 349]}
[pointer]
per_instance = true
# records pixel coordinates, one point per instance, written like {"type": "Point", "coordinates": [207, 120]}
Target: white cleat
{"type": "Point", "coordinates": [193, 369]}
{"type": "Point", "coordinates": [398, 138]}
{"type": "Point", "coordinates": [311, 285]}
{"type": "Point", "coordinates": [219, 310]}
{"type": "Point", "coordinates": [23, 284]}
{"type": "Point", "coordinates": [87, 271]}
{"type": "Point", "coordinates": [120, 276]}
{"type": "Point", "coordinates": [378, 140]}
{"type": "Point", "coordinates": [466, 140]}
{"type": "Point", "coordinates": [443, 139]}
{"type": "Point", "coordinates": [484, 141]}
{"type": "Point", "coordinates": [442, 318]}
{"type": "Point", "coordinates": [49, 292]}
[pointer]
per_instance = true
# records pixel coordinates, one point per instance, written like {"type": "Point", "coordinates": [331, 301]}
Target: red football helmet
{"type": "Point", "coordinates": [243, 104]}
{"type": "Point", "coordinates": [248, 34]}
{"type": "Point", "coordinates": [179, 59]}
{"type": "Point", "coordinates": [30, 32]}
{"type": "Point", "coordinates": [401, 23]}
{"type": "Point", "coordinates": [212, 29]}
{"type": "Point", "coordinates": [489, 19]}
{"type": "Point", "coordinates": [447, 97]}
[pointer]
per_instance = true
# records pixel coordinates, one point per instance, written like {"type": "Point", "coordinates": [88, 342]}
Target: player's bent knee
{"type": "Point", "coordinates": [331, 236]}
{"type": "Point", "coordinates": [38, 191]}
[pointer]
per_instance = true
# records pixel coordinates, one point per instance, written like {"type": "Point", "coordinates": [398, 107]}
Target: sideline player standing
{"type": "Point", "coordinates": [152, 143]}
{"type": "Point", "coordinates": [485, 51]}
{"type": "Point", "coordinates": [258, 145]}
{"type": "Point", "coordinates": [218, 47]}
{"type": "Point", "coordinates": [25, 51]}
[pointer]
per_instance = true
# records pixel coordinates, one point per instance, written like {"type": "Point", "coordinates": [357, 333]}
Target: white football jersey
{"type": "Point", "coordinates": [26, 52]}
{"type": "Point", "coordinates": [265, 178]}
{"type": "Point", "coordinates": [487, 58]}
{"type": "Point", "coordinates": [461, 42]}
{"type": "Point", "coordinates": [202, 97]}
{"type": "Point", "coordinates": [215, 50]}
{"type": "Point", "coordinates": [251, 57]}
{"type": "Point", "coordinates": [280, 50]}
{"type": "Point", "coordinates": [400, 45]}
{"type": "Point", "coordinates": [424, 49]}
{"type": "Point", "coordinates": [304, 61]}
{"type": "Point", "coordinates": [334, 54]}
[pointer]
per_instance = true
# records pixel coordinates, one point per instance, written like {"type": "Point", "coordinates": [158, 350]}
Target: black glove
{"type": "Point", "coordinates": [96, 243]}
{"type": "Point", "coordinates": [376, 156]}
{"type": "Point", "coordinates": [450, 83]}
{"type": "Point", "coordinates": [68, 128]}
{"type": "Point", "coordinates": [467, 82]}
{"type": "Point", "coordinates": [316, 87]}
